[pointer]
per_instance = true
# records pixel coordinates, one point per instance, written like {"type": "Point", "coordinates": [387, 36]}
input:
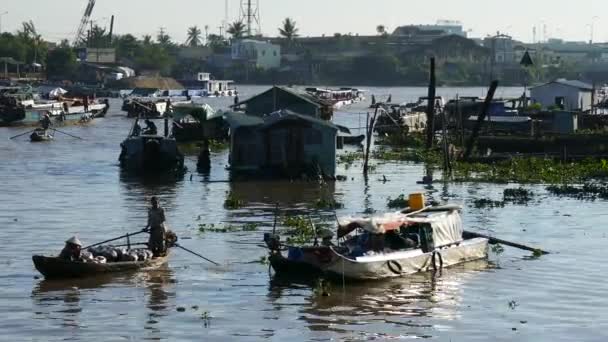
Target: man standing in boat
{"type": "Point", "coordinates": [46, 121]}
{"type": "Point", "coordinates": [156, 228]}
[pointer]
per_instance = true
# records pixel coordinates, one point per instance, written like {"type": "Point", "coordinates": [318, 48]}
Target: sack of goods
{"type": "Point", "coordinates": [103, 254]}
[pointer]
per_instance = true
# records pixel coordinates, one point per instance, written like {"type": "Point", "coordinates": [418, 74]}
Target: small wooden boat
{"type": "Point", "coordinates": [390, 245]}
{"type": "Point", "coordinates": [41, 134]}
{"type": "Point", "coordinates": [55, 268]}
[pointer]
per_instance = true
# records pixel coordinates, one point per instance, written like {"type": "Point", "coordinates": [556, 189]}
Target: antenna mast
{"type": "Point", "coordinates": [250, 15]}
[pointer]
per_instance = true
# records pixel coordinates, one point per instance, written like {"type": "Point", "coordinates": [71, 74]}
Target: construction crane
{"type": "Point", "coordinates": [83, 23]}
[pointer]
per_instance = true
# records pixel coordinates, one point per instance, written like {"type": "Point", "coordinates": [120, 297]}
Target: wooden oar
{"type": "Point", "coordinates": [198, 255]}
{"type": "Point", "coordinates": [495, 241]}
{"type": "Point", "coordinates": [118, 238]}
{"type": "Point", "coordinates": [22, 134]}
{"type": "Point", "coordinates": [73, 136]}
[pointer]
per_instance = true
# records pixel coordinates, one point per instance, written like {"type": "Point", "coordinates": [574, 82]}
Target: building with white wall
{"type": "Point", "coordinates": [566, 94]}
{"type": "Point", "coordinates": [263, 55]}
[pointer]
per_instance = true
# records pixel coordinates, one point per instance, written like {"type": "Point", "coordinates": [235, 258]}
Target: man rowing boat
{"type": "Point", "coordinates": [156, 228]}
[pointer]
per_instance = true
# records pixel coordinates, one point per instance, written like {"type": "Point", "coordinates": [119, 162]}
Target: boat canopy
{"type": "Point", "coordinates": [446, 225]}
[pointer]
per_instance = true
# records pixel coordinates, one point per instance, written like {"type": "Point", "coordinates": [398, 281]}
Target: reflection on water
{"type": "Point", "coordinates": [402, 303]}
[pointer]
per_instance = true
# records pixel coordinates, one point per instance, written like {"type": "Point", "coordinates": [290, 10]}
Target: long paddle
{"type": "Point", "coordinates": [198, 255]}
{"type": "Point", "coordinates": [73, 136]}
{"type": "Point", "coordinates": [118, 238]}
{"type": "Point", "coordinates": [496, 241]}
{"type": "Point", "coordinates": [22, 134]}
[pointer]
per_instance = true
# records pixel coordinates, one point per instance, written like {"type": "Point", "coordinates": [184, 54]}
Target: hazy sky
{"type": "Point", "coordinates": [58, 19]}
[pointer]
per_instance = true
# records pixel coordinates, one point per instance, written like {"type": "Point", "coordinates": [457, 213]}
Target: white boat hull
{"type": "Point", "coordinates": [397, 264]}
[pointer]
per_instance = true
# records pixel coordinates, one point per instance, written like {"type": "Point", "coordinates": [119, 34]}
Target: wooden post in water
{"type": "Point", "coordinates": [369, 126]}
{"type": "Point", "coordinates": [480, 119]}
{"type": "Point", "coordinates": [430, 110]}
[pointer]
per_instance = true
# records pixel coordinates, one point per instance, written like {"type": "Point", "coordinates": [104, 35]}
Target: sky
{"type": "Point", "coordinates": [569, 20]}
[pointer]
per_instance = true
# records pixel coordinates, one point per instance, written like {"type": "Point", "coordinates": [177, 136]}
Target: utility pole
{"type": "Point", "coordinates": [250, 14]}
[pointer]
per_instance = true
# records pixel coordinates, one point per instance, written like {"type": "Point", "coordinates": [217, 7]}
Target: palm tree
{"type": "Point", "coordinates": [194, 36]}
{"type": "Point", "coordinates": [147, 39]}
{"type": "Point", "coordinates": [381, 29]}
{"type": "Point", "coordinates": [237, 29]}
{"type": "Point", "coordinates": [289, 29]}
{"type": "Point", "coordinates": [163, 39]}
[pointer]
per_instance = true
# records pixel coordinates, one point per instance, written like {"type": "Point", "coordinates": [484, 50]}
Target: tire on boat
{"type": "Point", "coordinates": [395, 267]}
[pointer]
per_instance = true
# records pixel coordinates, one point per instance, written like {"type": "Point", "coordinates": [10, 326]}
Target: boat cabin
{"type": "Point", "coordinates": [398, 232]}
{"type": "Point", "coordinates": [279, 98]}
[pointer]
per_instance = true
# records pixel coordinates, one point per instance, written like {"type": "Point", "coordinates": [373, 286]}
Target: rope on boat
{"type": "Point", "coordinates": [395, 267]}
{"type": "Point", "coordinates": [434, 261]}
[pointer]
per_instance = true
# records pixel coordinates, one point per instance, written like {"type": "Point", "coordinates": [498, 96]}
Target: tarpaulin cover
{"type": "Point", "coordinates": [447, 226]}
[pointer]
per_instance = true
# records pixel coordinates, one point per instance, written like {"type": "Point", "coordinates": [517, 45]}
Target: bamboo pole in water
{"type": "Point", "coordinates": [480, 119]}
{"type": "Point", "coordinates": [430, 110]}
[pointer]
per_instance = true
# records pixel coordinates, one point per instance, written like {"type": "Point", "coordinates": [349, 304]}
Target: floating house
{"type": "Point", "coordinates": [279, 98]}
{"type": "Point", "coordinates": [282, 144]}
{"type": "Point", "coordinates": [564, 94]}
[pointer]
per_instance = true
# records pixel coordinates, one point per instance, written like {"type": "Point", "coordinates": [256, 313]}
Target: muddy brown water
{"type": "Point", "coordinates": [50, 191]}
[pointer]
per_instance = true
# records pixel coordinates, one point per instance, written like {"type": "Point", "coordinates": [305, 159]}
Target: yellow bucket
{"type": "Point", "coordinates": [416, 201]}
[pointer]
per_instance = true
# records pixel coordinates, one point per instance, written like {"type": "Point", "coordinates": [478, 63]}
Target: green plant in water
{"type": "Point", "coordinates": [300, 230]}
{"type": "Point", "coordinates": [217, 145]}
{"type": "Point", "coordinates": [498, 249]}
{"type": "Point", "coordinates": [322, 288]}
{"type": "Point", "coordinates": [212, 228]}
{"type": "Point", "coordinates": [537, 253]}
{"type": "Point", "coordinates": [518, 195]}
{"type": "Point", "coordinates": [263, 260]}
{"type": "Point", "coordinates": [327, 204]}
{"type": "Point", "coordinates": [487, 203]}
{"type": "Point", "coordinates": [232, 202]}
{"type": "Point", "coordinates": [398, 203]}
{"type": "Point", "coordinates": [250, 227]}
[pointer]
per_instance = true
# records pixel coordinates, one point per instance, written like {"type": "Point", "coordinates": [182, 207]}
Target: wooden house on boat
{"type": "Point", "coordinates": [279, 98]}
{"type": "Point", "coordinates": [196, 122]}
{"type": "Point", "coordinates": [282, 144]}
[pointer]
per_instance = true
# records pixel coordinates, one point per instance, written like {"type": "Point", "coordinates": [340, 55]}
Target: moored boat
{"type": "Point", "coordinates": [54, 267]}
{"type": "Point", "coordinates": [390, 245]}
{"type": "Point", "coordinates": [146, 151]}
{"type": "Point", "coordinates": [338, 97]}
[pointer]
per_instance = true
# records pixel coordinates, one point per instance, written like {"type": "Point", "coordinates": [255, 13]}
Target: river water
{"type": "Point", "coordinates": [50, 191]}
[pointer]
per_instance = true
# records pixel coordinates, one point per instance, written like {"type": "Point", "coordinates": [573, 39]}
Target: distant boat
{"type": "Point", "coordinates": [41, 134]}
{"type": "Point", "coordinates": [145, 151]}
{"type": "Point", "coordinates": [338, 97]}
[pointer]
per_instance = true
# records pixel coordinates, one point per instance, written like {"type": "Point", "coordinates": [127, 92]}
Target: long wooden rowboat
{"type": "Point", "coordinates": [54, 268]}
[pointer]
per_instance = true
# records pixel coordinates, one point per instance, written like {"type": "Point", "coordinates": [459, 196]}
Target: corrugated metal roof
{"type": "Point", "coordinates": [292, 91]}
{"type": "Point", "coordinates": [570, 83]}
{"type": "Point", "coordinates": [236, 120]}
{"type": "Point", "coordinates": [279, 116]}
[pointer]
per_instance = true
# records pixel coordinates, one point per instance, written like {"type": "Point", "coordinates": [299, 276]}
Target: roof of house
{"type": "Point", "coordinates": [282, 115]}
{"type": "Point", "coordinates": [295, 92]}
{"type": "Point", "coordinates": [236, 119]}
{"type": "Point", "coordinates": [570, 83]}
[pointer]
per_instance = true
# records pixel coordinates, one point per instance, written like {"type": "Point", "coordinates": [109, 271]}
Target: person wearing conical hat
{"type": "Point", "coordinates": [71, 251]}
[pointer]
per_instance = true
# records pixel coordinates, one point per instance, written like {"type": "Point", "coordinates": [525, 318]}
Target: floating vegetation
{"type": "Point", "coordinates": [487, 203]}
{"type": "Point", "coordinates": [517, 196]}
{"type": "Point", "coordinates": [498, 249]}
{"type": "Point", "coordinates": [212, 228]}
{"type": "Point", "coordinates": [263, 260]}
{"type": "Point", "coordinates": [206, 317]}
{"type": "Point", "coordinates": [232, 202]}
{"type": "Point", "coordinates": [398, 203]}
{"type": "Point", "coordinates": [413, 155]}
{"type": "Point", "coordinates": [327, 204]}
{"type": "Point", "coordinates": [404, 140]}
{"type": "Point", "coordinates": [587, 191]}
{"type": "Point", "coordinates": [250, 227]}
{"type": "Point", "coordinates": [530, 170]}
{"type": "Point", "coordinates": [218, 145]}
{"type": "Point", "coordinates": [300, 230]}
{"type": "Point", "coordinates": [322, 288]}
{"type": "Point", "coordinates": [350, 157]}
